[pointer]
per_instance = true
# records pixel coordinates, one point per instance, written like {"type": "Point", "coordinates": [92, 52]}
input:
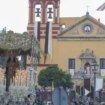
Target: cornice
{"type": "Point", "coordinates": [86, 17]}
{"type": "Point", "coordinates": [81, 38]}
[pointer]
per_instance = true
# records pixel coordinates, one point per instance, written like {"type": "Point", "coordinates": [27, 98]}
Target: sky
{"type": "Point", "coordinates": [14, 13]}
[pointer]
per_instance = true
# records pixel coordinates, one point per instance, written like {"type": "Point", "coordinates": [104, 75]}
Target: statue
{"type": "Point", "coordinates": [87, 69]}
{"type": "Point", "coordinates": [32, 80]}
{"type": "Point", "coordinates": [12, 64]}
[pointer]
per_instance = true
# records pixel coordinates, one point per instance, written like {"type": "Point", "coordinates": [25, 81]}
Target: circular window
{"type": "Point", "coordinates": [87, 28]}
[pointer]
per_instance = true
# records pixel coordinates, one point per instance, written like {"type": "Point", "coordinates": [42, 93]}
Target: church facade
{"type": "Point", "coordinates": [72, 43]}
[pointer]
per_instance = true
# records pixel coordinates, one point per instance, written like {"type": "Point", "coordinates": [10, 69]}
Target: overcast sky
{"type": "Point", "coordinates": [14, 13]}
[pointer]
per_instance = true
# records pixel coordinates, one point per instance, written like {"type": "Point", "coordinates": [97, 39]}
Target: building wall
{"type": "Point", "coordinates": [68, 42]}
{"type": "Point", "coordinates": [73, 49]}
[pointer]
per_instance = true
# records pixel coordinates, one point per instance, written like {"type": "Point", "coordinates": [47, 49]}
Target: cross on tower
{"type": "Point", "coordinates": [50, 13]}
{"type": "Point", "coordinates": [37, 12]}
{"type": "Point", "coordinates": [87, 8]}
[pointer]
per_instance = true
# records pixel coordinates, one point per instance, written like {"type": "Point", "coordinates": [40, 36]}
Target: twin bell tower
{"type": "Point", "coordinates": [43, 11]}
{"type": "Point", "coordinates": [44, 22]}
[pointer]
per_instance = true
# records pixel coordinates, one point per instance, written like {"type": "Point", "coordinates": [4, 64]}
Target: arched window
{"type": "Point", "coordinates": [49, 12]}
{"type": "Point", "coordinates": [37, 12]}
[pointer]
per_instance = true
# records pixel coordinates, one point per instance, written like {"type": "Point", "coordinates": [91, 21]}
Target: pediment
{"type": "Point", "coordinates": [87, 25]}
{"type": "Point", "coordinates": [101, 31]}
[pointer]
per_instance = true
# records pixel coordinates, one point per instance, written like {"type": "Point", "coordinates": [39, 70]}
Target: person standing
{"type": "Point", "coordinates": [28, 100]}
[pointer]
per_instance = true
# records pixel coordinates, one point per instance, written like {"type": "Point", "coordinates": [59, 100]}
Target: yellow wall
{"type": "Point", "coordinates": [64, 48]}
{"type": "Point", "coordinates": [73, 50]}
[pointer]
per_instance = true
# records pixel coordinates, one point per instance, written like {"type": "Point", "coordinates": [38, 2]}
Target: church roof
{"type": "Point", "coordinates": [70, 23]}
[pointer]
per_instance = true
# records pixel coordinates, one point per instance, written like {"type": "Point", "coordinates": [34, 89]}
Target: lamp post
{"type": "Point", "coordinates": [83, 76]}
{"type": "Point", "coordinates": [94, 68]}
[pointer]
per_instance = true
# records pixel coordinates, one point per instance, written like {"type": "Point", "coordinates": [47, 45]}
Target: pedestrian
{"type": "Point", "coordinates": [28, 100]}
{"type": "Point", "coordinates": [102, 103]}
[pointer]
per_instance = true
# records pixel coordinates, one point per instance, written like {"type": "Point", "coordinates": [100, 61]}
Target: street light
{"type": "Point", "coordinates": [82, 73]}
{"type": "Point", "coordinates": [94, 68]}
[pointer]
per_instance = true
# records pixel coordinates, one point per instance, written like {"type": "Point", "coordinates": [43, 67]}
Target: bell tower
{"type": "Point", "coordinates": [44, 23]}
{"type": "Point", "coordinates": [42, 11]}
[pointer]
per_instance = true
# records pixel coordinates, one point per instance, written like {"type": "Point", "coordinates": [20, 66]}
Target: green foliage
{"type": "Point", "coordinates": [25, 33]}
{"type": "Point", "coordinates": [10, 32]}
{"type": "Point", "coordinates": [52, 74]}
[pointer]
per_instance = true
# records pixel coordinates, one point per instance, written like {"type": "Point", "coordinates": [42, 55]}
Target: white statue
{"type": "Point", "coordinates": [32, 73]}
{"type": "Point", "coordinates": [88, 70]}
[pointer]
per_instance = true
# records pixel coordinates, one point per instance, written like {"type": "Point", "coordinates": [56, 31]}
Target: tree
{"type": "Point", "coordinates": [55, 75]}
